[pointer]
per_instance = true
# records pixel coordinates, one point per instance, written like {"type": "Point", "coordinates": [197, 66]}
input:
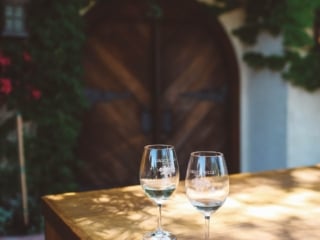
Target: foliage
{"type": "Point", "coordinates": [17, 90]}
{"type": "Point", "coordinates": [218, 7]}
{"type": "Point", "coordinates": [55, 44]}
{"type": "Point", "coordinates": [259, 61]}
{"type": "Point", "coordinates": [260, 16]}
{"type": "Point", "coordinates": [305, 70]}
{"type": "Point", "coordinates": [294, 19]}
{"type": "Point", "coordinates": [54, 73]}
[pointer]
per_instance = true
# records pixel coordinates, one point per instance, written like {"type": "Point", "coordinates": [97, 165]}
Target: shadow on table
{"type": "Point", "coordinates": [282, 203]}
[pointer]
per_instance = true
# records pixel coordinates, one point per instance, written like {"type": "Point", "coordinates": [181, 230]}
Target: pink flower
{"type": "Point", "coordinates": [4, 61]}
{"type": "Point", "coordinates": [27, 57]}
{"type": "Point", "coordinates": [36, 94]}
{"type": "Point", "coordinates": [5, 86]}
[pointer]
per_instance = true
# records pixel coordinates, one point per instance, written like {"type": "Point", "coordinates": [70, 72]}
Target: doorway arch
{"type": "Point", "coordinates": [163, 73]}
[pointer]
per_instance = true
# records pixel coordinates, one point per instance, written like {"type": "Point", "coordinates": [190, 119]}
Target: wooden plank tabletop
{"type": "Point", "coordinates": [274, 205]}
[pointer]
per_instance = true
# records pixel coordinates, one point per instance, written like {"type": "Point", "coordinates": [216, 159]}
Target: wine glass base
{"type": "Point", "coordinates": [159, 235]}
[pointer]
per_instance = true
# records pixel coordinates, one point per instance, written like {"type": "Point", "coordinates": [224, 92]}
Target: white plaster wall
{"type": "Point", "coordinates": [263, 104]}
{"type": "Point", "coordinates": [303, 127]}
{"type": "Point", "coordinates": [230, 21]}
{"type": "Point", "coordinates": [267, 115]}
{"type": "Point", "coordinates": [279, 123]}
{"type": "Point", "coordinates": [267, 119]}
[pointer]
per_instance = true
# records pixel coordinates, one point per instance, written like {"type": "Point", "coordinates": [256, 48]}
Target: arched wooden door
{"type": "Point", "coordinates": [156, 73]}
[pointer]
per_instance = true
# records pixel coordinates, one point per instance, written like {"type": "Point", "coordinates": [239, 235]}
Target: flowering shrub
{"type": "Point", "coordinates": [5, 83]}
{"type": "Point", "coordinates": [15, 89]}
{"type": "Point", "coordinates": [6, 86]}
{"type": "Point", "coordinates": [41, 77]}
{"type": "Point", "coordinates": [17, 93]}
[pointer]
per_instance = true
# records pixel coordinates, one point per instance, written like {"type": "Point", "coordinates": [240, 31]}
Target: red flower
{"type": "Point", "coordinates": [5, 86]}
{"type": "Point", "coordinates": [27, 57]}
{"type": "Point", "coordinates": [4, 61]}
{"type": "Point", "coordinates": [36, 94]}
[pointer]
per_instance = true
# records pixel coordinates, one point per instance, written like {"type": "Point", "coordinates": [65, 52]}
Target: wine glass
{"type": "Point", "coordinates": [159, 177]}
{"type": "Point", "coordinates": [207, 183]}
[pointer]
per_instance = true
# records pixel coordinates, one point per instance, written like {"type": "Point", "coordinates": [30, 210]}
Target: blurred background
{"type": "Point", "coordinates": [85, 84]}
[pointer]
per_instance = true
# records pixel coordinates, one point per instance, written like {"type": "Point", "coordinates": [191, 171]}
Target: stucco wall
{"type": "Point", "coordinates": [303, 127]}
{"type": "Point", "coordinates": [279, 122]}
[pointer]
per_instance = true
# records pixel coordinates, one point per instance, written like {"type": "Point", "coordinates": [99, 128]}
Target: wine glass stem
{"type": "Point", "coordinates": [207, 227]}
{"type": "Point", "coordinates": [159, 218]}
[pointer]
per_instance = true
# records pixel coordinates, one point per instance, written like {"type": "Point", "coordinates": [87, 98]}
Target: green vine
{"type": "Point", "coordinates": [55, 43]}
{"type": "Point", "coordinates": [54, 66]}
{"type": "Point", "coordinates": [294, 20]}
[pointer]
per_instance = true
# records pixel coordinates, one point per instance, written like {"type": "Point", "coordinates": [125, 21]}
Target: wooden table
{"type": "Point", "coordinates": [282, 204]}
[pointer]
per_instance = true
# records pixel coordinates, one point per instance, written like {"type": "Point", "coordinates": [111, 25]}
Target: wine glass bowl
{"type": "Point", "coordinates": [159, 177]}
{"type": "Point", "coordinates": [207, 183]}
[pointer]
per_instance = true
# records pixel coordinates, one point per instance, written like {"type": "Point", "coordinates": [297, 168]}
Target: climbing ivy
{"type": "Point", "coordinates": [294, 21]}
{"type": "Point", "coordinates": [45, 72]}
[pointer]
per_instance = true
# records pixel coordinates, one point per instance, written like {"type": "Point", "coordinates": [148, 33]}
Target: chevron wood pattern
{"type": "Point", "coordinates": [181, 82]}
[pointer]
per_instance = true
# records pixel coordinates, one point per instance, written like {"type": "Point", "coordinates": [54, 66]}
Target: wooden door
{"type": "Point", "coordinates": [156, 74]}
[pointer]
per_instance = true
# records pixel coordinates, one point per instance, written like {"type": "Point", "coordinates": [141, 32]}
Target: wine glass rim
{"type": "Point", "coordinates": [207, 154]}
{"type": "Point", "coordinates": [159, 146]}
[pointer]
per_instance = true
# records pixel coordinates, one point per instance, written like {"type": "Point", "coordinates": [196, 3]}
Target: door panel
{"type": "Point", "coordinates": [117, 64]}
{"type": "Point", "coordinates": [192, 73]}
{"type": "Point", "coordinates": [156, 80]}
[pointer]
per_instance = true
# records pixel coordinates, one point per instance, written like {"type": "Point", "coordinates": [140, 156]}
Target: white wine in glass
{"type": "Point", "coordinates": [207, 183]}
{"type": "Point", "coordinates": [159, 177]}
